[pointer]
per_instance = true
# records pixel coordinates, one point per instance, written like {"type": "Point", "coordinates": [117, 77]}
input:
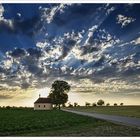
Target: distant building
{"type": "Point", "coordinates": [43, 104]}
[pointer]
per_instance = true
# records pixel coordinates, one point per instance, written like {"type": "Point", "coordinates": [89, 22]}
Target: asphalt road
{"type": "Point", "coordinates": [129, 121]}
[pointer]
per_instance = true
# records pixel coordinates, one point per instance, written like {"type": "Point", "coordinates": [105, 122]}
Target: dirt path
{"type": "Point", "coordinates": [112, 118]}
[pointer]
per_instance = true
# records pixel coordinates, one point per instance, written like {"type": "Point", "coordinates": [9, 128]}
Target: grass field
{"type": "Point", "coordinates": [27, 122]}
{"type": "Point", "coordinates": [131, 111]}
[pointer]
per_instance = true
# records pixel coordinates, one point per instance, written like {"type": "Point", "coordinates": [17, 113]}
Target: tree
{"type": "Point", "coordinates": [8, 107]}
{"type": "Point", "coordinates": [64, 105]}
{"type": "Point", "coordinates": [121, 104]}
{"type": "Point", "coordinates": [115, 104]}
{"type": "Point", "coordinates": [70, 105]}
{"type": "Point", "coordinates": [100, 102]}
{"type": "Point", "coordinates": [87, 104]}
{"type": "Point", "coordinates": [59, 92]}
{"type": "Point", "coordinates": [75, 104]}
{"type": "Point", "coordinates": [108, 104]}
{"type": "Point", "coordinates": [94, 104]}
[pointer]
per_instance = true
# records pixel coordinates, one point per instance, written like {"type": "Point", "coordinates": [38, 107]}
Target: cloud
{"type": "Point", "coordinates": [4, 96]}
{"type": "Point", "coordinates": [21, 67]}
{"type": "Point", "coordinates": [124, 20]}
{"type": "Point", "coordinates": [34, 52]}
{"type": "Point", "coordinates": [41, 44]}
{"type": "Point", "coordinates": [48, 14]}
{"type": "Point", "coordinates": [90, 35]}
{"type": "Point", "coordinates": [80, 47]}
{"type": "Point", "coordinates": [137, 41]}
{"type": "Point", "coordinates": [1, 12]}
{"type": "Point", "coordinates": [29, 26]}
{"type": "Point", "coordinates": [64, 56]}
{"type": "Point", "coordinates": [17, 53]}
{"type": "Point", "coordinates": [25, 85]}
{"type": "Point", "coordinates": [5, 23]}
{"type": "Point", "coordinates": [19, 14]}
{"type": "Point", "coordinates": [109, 10]}
{"type": "Point", "coordinates": [18, 25]}
{"type": "Point", "coordinates": [107, 87]}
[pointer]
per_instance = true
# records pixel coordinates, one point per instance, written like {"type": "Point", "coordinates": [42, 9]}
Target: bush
{"type": "Point", "coordinates": [108, 104]}
{"type": "Point", "coordinates": [70, 105]}
{"type": "Point", "coordinates": [100, 102]}
{"type": "Point", "coordinates": [63, 105]}
{"type": "Point", "coordinates": [121, 104]}
{"type": "Point", "coordinates": [94, 104]}
{"type": "Point", "coordinates": [115, 104]}
{"type": "Point", "coordinates": [87, 104]}
{"type": "Point", "coordinates": [75, 104]}
{"type": "Point", "coordinates": [8, 107]}
{"type": "Point", "coordinates": [54, 107]}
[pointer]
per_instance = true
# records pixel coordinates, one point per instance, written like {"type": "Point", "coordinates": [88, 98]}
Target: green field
{"type": "Point", "coordinates": [130, 111]}
{"type": "Point", "coordinates": [27, 122]}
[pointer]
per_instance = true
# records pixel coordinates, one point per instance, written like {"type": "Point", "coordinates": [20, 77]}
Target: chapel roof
{"type": "Point", "coordinates": [43, 100]}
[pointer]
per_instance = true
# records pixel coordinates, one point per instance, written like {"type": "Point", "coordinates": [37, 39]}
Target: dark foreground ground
{"type": "Point", "coordinates": [27, 122]}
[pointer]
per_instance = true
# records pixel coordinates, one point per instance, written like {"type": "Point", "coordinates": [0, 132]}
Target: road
{"type": "Point", "coordinates": [129, 121]}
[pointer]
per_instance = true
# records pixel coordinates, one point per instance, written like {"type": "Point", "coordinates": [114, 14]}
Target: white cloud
{"type": "Point", "coordinates": [107, 40]}
{"type": "Point", "coordinates": [90, 34]}
{"type": "Point", "coordinates": [77, 52]}
{"type": "Point", "coordinates": [49, 13]}
{"type": "Point", "coordinates": [8, 64]}
{"type": "Point", "coordinates": [132, 42]}
{"type": "Point", "coordinates": [64, 68]}
{"type": "Point", "coordinates": [41, 44]}
{"type": "Point", "coordinates": [19, 14]}
{"type": "Point", "coordinates": [110, 10]}
{"type": "Point", "coordinates": [1, 12]}
{"type": "Point", "coordinates": [8, 22]}
{"type": "Point", "coordinates": [124, 20]}
{"type": "Point", "coordinates": [89, 72]}
{"type": "Point", "coordinates": [137, 41]}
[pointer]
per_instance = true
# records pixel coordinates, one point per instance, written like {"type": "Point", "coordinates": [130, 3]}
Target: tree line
{"type": "Point", "coordinates": [99, 103]}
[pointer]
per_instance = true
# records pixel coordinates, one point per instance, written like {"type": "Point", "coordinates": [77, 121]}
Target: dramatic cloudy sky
{"type": "Point", "coordinates": [95, 47]}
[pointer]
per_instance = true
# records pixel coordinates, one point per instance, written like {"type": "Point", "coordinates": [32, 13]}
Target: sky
{"type": "Point", "coordinates": [94, 47]}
